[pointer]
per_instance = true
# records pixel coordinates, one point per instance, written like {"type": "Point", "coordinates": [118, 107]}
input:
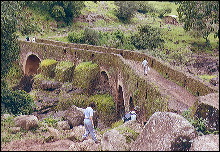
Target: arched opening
{"type": "Point", "coordinates": [152, 63]}
{"type": "Point", "coordinates": [120, 104]}
{"type": "Point", "coordinates": [104, 86]}
{"type": "Point", "coordinates": [131, 104]}
{"type": "Point", "coordinates": [146, 95]}
{"type": "Point", "coordinates": [32, 64]}
{"type": "Point", "coordinates": [184, 83]}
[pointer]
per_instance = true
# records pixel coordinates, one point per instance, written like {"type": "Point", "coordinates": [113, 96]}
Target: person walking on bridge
{"type": "Point", "coordinates": [145, 65]}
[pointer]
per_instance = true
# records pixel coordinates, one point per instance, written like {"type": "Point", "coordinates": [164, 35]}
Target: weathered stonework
{"type": "Point", "coordinates": [123, 81]}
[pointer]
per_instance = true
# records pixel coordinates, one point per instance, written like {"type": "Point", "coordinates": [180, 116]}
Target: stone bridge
{"type": "Point", "coordinates": [128, 88]}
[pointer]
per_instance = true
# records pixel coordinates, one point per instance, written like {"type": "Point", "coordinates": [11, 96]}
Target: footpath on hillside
{"type": "Point", "coordinates": [180, 98]}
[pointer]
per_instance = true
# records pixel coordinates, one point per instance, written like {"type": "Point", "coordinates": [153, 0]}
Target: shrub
{"type": "Point", "coordinates": [16, 102]}
{"type": "Point", "coordinates": [58, 12]}
{"type": "Point", "coordinates": [164, 11]}
{"type": "Point", "coordinates": [105, 107]}
{"type": "Point", "coordinates": [64, 71]}
{"type": "Point", "coordinates": [147, 38]}
{"type": "Point", "coordinates": [91, 37]}
{"type": "Point", "coordinates": [75, 37]}
{"type": "Point", "coordinates": [126, 10]}
{"type": "Point", "coordinates": [47, 67]}
{"type": "Point", "coordinates": [85, 76]}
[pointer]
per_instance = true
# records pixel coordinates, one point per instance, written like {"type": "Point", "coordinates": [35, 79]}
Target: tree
{"type": "Point", "coordinates": [202, 17]}
{"type": "Point", "coordinates": [126, 10]}
{"type": "Point", "coordinates": [14, 102]}
{"type": "Point", "coordinates": [147, 38]}
{"type": "Point", "coordinates": [59, 10]}
{"type": "Point", "coordinates": [9, 44]}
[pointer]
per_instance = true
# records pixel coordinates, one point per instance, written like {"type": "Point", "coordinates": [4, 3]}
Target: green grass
{"type": "Point", "coordinates": [48, 62]}
{"type": "Point", "coordinates": [207, 77]}
{"type": "Point", "coordinates": [160, 5]}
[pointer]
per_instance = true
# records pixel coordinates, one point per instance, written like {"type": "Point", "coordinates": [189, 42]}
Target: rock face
{"type": "Point", "coordinates": [162, 130]}
{"type": "Point", "coordinates": [114, 141]}
{"type": "Point", "coordinates": [76, 133]}
{"type": "Point", "coordinates": [74, 116]}
{"type": "Point", "coordinates": [121, 137]}
{"type": "Point", "coordinates": [205, 143]}
{"type": "Point", "coordinates": [208, 110]}
{"type": "Point", "coordinates": [63, 125]}
{"type": "Point", "coordinates": [26, 121]}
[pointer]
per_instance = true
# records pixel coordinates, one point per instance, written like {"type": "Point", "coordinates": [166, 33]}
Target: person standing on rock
{"type": "Point", "coordinates": [88, 123]}
{"type": "Point", "coordinates": [145, 65]}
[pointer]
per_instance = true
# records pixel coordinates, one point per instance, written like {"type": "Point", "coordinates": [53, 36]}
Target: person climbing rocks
{"type": "Point", "coordinates": [145, 66]}
{"type": "Point", "coordinates": [88, 123]}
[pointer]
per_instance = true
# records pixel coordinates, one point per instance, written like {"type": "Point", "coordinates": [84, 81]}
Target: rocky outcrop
{"type": "Point", "coordinates": [26, 122]}
{"type": "Point", "coordinates": [64, 125]}
{"type": "Point", "coordinates": [87, 145]}
{"type": "Point", "coordinates": [52, 135]}
{"type": "Point", "coordinates": [120, 138]}
{"type": "Point", "coordinates": [205, 143]}
{"type": "Point", "coordinates": [162, 130]}
{"type": "Point", "coordinates": [208, 110]}
{"type": "Point", "coordinates": [74, 116]}
{"type": "Point", "coordinates": [76, 133]}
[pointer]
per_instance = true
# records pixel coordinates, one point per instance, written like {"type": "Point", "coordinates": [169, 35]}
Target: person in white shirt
{"type": "Point", "coordinates": [34, 39]}
{"type": "Point", "coordinates": [88, 123]}
{"type": "Point", "coordinates": [145, 65]}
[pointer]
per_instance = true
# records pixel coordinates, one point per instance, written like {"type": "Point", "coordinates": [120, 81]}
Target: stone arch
{"type": "Point", "coordinates": [104, 83]}
{"type": "Point", "coordinates": [31, 64]}
{"type": "Point", "coordinates": [131, 103]}
{"type": "Point", "coordinates": [120, 104]}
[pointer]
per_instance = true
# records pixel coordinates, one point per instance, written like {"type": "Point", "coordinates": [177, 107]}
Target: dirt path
{"type": "Point", "coordinates": [180, 98]}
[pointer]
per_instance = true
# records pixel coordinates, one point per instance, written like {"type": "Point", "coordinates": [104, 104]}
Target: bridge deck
{"type": "Point", "coordinates": [180, 98]}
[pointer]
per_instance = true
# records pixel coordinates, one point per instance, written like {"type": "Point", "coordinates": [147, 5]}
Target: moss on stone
{"type": "Point", "coordinates": [64, 71]}
{"type": "Point", "coordinates": [85, 75]}
{"type": "Point", "coordinates": [129, 133]}
{"type": "Point", "coordinates": [105, 107]}
{"type": "Point", "coordinates": [47, 67]}
{"type": "Point", "coordinates": [65, 102]}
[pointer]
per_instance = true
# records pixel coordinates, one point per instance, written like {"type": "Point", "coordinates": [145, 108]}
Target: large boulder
{"type": "Point", "coordinates": [26, 122]}
{"type": "Point", "coordinates": [162, 130]}
{"type": "Point", "coordinates": [112, 140]}
{"type": "Point", "coordinates": [205, 143]}
{"type": "Point", "coordinates": [76, 133]}
{"type": "Point", "coordinates": [64, 125]}
{"type": "Point", "coordinates": [87, 145]}
{"type": "Point", "coordinates": [52, 135]}
{"type": "Point", "coordinates": [121, 137]}
{"type": "Point", "coordinates": [74, 116]}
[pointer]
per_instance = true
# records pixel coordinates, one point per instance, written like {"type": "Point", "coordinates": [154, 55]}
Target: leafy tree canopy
{"type": "Point", "coordinates": [200, 16]}
{"type": "Point", "coordinates": [59, 10]}
{"type": "Point", "coordinates": [9, 44]}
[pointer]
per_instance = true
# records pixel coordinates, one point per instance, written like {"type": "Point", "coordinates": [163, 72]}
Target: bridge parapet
{"type": "Point", "coordinates": [121, 76]}
{"type": "Point", "coordinates": [193, 84]}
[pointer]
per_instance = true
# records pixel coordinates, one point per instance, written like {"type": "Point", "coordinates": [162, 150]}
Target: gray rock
{"type": "Point", "coordinates": [161, 131]}
{"type": "Point", "coordinates": [113, 140]}
{"type": "Point", "coordinates": [26, 122]}
{"type": "Point", "coordinates": [205, 143]}
{"type": "Point", "coordinates": [76, 133]}
{"type": "Point", "coordinates": [63, 125]}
